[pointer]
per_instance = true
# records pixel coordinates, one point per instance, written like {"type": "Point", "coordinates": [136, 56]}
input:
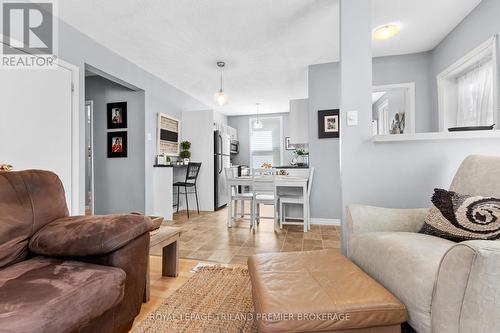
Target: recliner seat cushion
{"type": "Point", "coordinates": [406, 264]}
{"type": "Point", "coordinates": [47, 295]}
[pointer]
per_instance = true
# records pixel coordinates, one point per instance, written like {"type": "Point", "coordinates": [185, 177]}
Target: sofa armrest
{"type": "Point", "coordinates": [82, 236]}
{"type": "Point", "coordinates": [467, 291]}
{"type": "Point", "coordinates": [361, 219]}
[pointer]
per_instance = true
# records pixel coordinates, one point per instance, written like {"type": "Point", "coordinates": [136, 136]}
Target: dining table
{"type": "Point", "coordinates": [269, 181]}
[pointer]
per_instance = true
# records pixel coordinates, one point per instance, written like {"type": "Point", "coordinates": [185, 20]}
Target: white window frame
{"type": "Point", "coordinates": [410, 102]}
{"type": "Point", "coordinates": [448, 87]}
{"type": "Point", "coordinates": [250, 129]}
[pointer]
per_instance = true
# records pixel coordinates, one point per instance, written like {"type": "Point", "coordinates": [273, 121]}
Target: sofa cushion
{"type": "Point", "coordinates": [28, 200]}
{"type": "Point", "coordinates": [406, 264]}
{"type": "Point", "coordinates": [460, 217]}
{"type": "Point", "coordinates": [49, 295]}
{"type": "Point", "coordinates": [318, 291]}
{"type": "Point", "coordinates": [81, 236]}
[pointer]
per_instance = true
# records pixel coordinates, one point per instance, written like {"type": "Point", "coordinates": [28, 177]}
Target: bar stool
{"type": "Point", "coordinates": [192, 173]}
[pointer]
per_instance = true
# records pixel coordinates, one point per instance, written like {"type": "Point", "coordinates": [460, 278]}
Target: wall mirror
{"type": "Point", "coordinates": [393, 109]}
{"type": "Point", "coordinates": [436, 71]}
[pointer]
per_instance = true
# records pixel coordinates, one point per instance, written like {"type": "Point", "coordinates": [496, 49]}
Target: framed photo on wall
{"type": "Point", "coordinates": [288, 146]}
{"type": "Point", "coordinates": [117, 115]}
{"type": "Point", "coordinates": [169, 133]}
{"type": "Point", "coordinates": [117, 144]}
{"type": "Point", "coordinates": [328, 124]}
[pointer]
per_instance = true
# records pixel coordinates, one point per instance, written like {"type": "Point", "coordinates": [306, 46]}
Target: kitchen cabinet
{"type": "Point", "coordinates": [298, 128]}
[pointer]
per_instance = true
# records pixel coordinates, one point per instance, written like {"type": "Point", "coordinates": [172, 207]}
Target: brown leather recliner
{"type": "Point", "coordinates": [66, 274]}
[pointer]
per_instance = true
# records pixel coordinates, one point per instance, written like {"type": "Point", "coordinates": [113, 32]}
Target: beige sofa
{"type": "Point", "coordinates": [446, 286]}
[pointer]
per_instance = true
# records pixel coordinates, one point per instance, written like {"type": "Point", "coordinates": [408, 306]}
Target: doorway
{"type": "Point", "coordinates": [114, 184]}
{"type": "Point", "coordinates": [89, 158]}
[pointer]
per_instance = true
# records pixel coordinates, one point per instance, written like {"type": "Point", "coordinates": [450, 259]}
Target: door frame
{"type": "Point", "coordinates": [75, 208]}
{"type": "Point", "coordinates": [92, 185]}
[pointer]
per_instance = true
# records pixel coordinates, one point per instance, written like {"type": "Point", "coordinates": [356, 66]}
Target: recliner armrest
{"type": "Point", "coordinates": [361, 218]}
{"type": "Point", "coordinates": [467, 291]}
{"type": "Point", "coordinates": [82, 236]}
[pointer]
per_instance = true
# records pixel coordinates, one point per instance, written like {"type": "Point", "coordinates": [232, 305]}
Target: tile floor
{"type": "Point", "coordinates": [206, 237]}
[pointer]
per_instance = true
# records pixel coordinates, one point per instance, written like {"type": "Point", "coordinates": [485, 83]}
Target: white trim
{"type": "Point", "coordinates": [92, 184]}
{"type": "Point", "coordinates": [75, 135]}
{"type": "Point", "coordinates": [443, 79]}
{"type": "Point", "coordinates": [493, 134]}
{"type": "Point", "coordinates": [318, 221]}
{"type": "Point", "coordinates": [410, 103]}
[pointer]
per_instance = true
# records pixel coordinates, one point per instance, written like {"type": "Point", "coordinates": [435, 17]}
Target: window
{"type": "Point", "coordinates": [468, 90]}
{"type": "Point", "coordinates": [475, 96]}
{"type": "Point", "coordinates": [265, 142]}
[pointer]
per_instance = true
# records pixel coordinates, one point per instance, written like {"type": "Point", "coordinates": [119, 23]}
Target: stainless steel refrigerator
{"type": "Point", "coordinates": [222, 150]}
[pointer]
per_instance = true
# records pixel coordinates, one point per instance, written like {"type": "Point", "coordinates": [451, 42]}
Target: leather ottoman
{"type": "Point", "coordinates": [320, 291]}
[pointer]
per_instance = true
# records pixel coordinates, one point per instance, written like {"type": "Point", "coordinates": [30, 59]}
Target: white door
{"type": "Point", "coordinates": [35, 122]}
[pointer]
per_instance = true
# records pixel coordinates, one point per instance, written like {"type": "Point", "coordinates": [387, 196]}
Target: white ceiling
{"type": "Point", "coordinates": [424, 23]}
{"type": "Point", "coordinates": [267, 44]}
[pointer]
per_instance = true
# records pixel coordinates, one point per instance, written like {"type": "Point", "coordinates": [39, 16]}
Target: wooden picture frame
{"type": "Point", "coordinates": [117, 115]}
{"type": "Point", "coordinates": [169, 134]}
{"type": "Point", "coordinates": [329, 124]}
{"type": "Point", "coordinates": [117, 144]}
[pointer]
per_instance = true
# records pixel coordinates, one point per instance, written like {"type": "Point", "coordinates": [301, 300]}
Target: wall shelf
{"type": "Point", "coordinates": [494, 134]}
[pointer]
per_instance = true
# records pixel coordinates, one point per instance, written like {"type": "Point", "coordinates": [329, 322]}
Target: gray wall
{"type": "Point", "coordinates": [197, 128]}
{"type": "Point", "coordinates": [241, 123]}
{"type": "Point", "coordinates": [118, 182]}
{"type": "Point", "coordinates": [79, 49]}
{"type": "Point", "coordinates": [324, 153]}
{"type": "Point", "coordinates": [480, 25]}
{"type": "Point", "coordinates": [398, 174]}
{"type": "Point", "coordinates": [324, 90]}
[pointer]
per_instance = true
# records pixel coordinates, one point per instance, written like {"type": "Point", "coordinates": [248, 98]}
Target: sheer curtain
{"type": "Point", "coordinates": [475, 96]}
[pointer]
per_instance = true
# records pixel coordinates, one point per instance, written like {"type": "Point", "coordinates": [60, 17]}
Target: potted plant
{"type": "Point", "coordinates": [302, 156]}
{"type": "Point", "coordinates": [185, 154]}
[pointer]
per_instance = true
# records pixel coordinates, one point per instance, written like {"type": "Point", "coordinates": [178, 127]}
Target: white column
{"type": "Point", "coordinates": [355, 93]}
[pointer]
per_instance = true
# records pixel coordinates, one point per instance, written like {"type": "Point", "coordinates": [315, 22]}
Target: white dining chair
{"type": "Point", "coordinates": [264, 193]}
{"type": "Point", "coordinates": [296, 200]}
{"type": "Point", "coordinates": [239, 197]}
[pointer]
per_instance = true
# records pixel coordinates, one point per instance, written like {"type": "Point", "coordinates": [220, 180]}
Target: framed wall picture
{"type": "Point", "coordinates": [328, 124]}
{"type": "Point", "coordinates": [117, 144]}
{"type": "Point", "coordinates": [288, 145]}
{"type": "Point", "coordinates": [169, 133]}
{"type": "Point", "coordinates": [117, 115]}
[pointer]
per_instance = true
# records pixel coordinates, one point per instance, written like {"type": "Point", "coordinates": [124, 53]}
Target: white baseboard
{"type": "Point", "coordinates": [317, 221]}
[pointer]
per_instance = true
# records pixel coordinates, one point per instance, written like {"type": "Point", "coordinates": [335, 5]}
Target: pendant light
{"type": "Point", "coordinates": [220, 97]}
{"type": "Point", "coordinates": [257, 124]}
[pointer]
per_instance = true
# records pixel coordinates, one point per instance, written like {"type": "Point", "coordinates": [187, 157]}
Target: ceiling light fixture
{"type": "Point", "coordinates": [257, 124]}
{"type": "Point", "coordinates": [220, 97]}
{"type": "Point", "coordinates": [386, 32]}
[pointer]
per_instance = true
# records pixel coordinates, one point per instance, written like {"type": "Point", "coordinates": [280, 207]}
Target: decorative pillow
{"type": "Point", "coordinates": [460, 217]}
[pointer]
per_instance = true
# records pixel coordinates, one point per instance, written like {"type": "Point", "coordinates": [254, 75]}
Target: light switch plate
{"type": "Point", "coordinates": [149, 137]}
{"type": "Point", "coordinates": [352, 118]}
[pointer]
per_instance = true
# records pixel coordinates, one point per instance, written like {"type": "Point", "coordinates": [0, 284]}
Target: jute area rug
{"type": "Point", "coordinates": [214, 299]}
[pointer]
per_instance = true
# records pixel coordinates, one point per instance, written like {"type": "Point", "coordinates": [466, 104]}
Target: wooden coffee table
{"type": "Point", "coordinates": [167, 238]}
